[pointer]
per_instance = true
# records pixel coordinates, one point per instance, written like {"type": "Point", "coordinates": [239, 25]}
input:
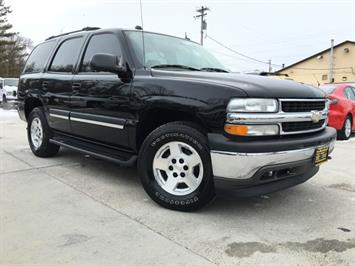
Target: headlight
{"type": "Point", "coordinates": [253, 105]}
{"type": "Point", "coordinates": [251, 130]}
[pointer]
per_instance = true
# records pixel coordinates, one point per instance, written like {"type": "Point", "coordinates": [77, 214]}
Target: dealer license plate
{"type": "Point", "coordinates": [320, 155]}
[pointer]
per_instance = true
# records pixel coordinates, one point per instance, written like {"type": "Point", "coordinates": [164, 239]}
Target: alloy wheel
{"type": "Point", "coordinates": [36, 132]}
{"type": "Point", "coordinates": [347, 127]}
{"type": "Point", "coordinates": [178, 168]}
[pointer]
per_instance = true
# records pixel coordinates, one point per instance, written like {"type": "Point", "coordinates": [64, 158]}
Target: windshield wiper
{"type": "Point", "coordinates": [214, 69]}
{"type": "Point", "coordinates": [175, 66]}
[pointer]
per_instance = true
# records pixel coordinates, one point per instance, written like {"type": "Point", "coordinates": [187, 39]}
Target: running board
{"type": "Point", "coordinates": [112, 155]}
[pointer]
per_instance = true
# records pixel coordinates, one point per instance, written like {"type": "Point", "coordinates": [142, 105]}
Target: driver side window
{"type": "Point", "coordinates": [106, 43]}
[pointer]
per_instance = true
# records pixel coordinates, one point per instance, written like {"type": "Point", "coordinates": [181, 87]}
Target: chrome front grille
{"type": "Point", "coordinates": [306, 106]}
{"type": "Point", "coordinates": [295, 116]}
{"type": "Point", "coordinates": [302, 106]}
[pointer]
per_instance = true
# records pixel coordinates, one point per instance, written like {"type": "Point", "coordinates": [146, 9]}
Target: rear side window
{"type": "Point", "coordinates": [106, 43]}
{"type": "Point", "coordinates": [349, 93]}
{"type": "Point", "coordinates": [66, 56]}
{"type": "Point", "coordinates": [38, 58]}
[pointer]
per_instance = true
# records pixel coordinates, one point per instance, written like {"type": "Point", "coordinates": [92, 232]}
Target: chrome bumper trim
{"type": "Point", "coordinates": [242, 166]}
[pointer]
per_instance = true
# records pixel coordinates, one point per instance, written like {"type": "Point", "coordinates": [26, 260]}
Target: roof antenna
{"type": "Point", "coordinates": [142, 28]}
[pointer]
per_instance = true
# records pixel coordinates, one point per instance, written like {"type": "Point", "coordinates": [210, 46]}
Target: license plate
{"type": "Point", "coordinates": [320, 155]}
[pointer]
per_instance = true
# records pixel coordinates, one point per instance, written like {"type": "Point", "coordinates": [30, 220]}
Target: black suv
{"type": "Point", "coordinates": [166, 103]}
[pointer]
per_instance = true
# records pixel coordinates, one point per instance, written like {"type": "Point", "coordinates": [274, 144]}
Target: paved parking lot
{"type": "Point", "coordinates": [74, 209]}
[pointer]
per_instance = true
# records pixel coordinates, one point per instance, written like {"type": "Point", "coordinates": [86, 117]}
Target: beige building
{"type": "Point", "coordinates": [315, 69]}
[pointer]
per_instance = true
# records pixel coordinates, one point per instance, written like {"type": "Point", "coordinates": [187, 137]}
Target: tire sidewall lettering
{"type": "Point", "coordinates": [174, 201]}
{"type": "Point", "coordinates": [175, 135]}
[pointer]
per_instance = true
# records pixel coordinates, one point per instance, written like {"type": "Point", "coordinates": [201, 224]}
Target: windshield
{"type": "Point", "coordinates": [11, 82]}
{"type": "Point", "coordinates": [329, 88]}
{"type": "Point", "coordinates": [163, 51]}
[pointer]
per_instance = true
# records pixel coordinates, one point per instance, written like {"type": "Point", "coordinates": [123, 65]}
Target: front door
{"type": "Point", "coordinates": [100, 100]}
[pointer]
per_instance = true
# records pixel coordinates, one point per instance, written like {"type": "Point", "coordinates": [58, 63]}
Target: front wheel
{"type": "Point", "coordinates": [345, 132]}
{"type": "Point", "coordinates": [175, 167]}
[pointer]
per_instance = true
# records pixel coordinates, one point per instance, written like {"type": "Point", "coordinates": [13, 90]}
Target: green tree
{"type": "Point", "coordinates": [13, 47]}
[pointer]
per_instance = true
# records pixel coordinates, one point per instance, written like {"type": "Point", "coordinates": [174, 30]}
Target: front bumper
{"type": "Point", "coordinates": [256, 163]}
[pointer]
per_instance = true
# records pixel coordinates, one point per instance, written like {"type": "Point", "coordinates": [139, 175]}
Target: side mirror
{"type": "Point", "coordinates": [110, 63]}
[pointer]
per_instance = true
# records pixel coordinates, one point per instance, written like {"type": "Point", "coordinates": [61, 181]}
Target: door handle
{"type": "Point", "coordinates": [44, 84]}
{"type": "Point", "coordinates": [76, 86]}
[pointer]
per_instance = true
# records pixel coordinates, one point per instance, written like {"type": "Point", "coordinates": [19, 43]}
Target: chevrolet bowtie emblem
{"type": "Point", "coordinates": [316, 116]}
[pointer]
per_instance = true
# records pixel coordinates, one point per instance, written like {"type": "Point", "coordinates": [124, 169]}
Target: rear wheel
{"type": "Point", "coordinates": [175, 167]}
{"type": "Point", "coordinates": [345, 132]}
{"type": "Point", "coordinates": [39, 133]}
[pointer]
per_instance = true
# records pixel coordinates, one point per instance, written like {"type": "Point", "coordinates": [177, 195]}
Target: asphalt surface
{"type": "Point", "coordinates": [73, 209]}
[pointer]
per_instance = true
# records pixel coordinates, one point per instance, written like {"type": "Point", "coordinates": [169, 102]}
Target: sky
{"type": "Point", "coordinates": [281, 31]}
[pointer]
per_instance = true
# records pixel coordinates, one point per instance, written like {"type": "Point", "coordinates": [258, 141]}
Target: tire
{"type": "Point", "coordinates": [345, 132]}
{"type": "Point", "coordinates": [39, 133]}
{"type": "Point", "coordinates": [185, 163]}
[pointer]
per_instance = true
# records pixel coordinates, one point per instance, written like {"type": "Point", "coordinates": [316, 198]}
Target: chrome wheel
{"type": "Point", "coordinates": [178, 168]}
{"type": "Point", "coordinates": [36, 133]}
{"type": "Point", "coordinates": [347, 127]}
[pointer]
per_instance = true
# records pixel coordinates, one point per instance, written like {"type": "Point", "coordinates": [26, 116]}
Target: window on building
{"type": "Point", "coordinates": [66, 55]}
{"type": "Point", "coordinates": [100, 44]}
{"type": "Point", "coordinates": [324, 77]}
{"type": "Point", "coordinates": [38, 58]}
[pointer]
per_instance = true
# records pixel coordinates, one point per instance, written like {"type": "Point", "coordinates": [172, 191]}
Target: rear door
{"type": "Point", "coordinates": [100, 100]}
{"type": "Point", "coordinates": [32, 75]}
{"type": "Point", "coordinates": [57, 82]}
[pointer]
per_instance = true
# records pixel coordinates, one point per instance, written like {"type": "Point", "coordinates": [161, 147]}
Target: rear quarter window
{"type": "Point", "coordinates": [38, 58]}
{"type": "Point", "coordinates": [349, 93]}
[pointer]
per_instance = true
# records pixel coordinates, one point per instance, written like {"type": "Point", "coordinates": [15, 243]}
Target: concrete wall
{"type": "Point", "coordinates": [344, 67]}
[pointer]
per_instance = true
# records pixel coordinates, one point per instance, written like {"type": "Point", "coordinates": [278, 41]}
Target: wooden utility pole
{"type": "Point", "coordinates": [331, 61]}
{"type": "Point", "coordinates": [202, 13]}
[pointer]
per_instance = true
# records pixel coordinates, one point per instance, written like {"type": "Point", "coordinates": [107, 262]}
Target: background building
{"type": "Point", "coordinates": [317, 69]}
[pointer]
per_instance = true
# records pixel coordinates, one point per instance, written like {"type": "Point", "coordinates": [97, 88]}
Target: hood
{"type": "Point", "coordinates": [252, 85]}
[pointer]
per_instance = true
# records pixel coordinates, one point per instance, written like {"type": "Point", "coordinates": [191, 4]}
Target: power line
{"type": "Point", "coordinates": [269, 62]}
{"type": "Point", "coordinates": [304, 68]}
{"type": "Point", "coordinates": [239, 53]}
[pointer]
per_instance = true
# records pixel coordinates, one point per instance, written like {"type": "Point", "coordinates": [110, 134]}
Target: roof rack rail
{"type": "Point", "coordinates": [63, 34]}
